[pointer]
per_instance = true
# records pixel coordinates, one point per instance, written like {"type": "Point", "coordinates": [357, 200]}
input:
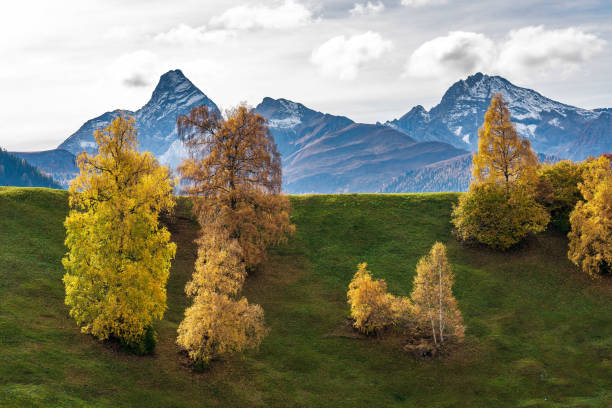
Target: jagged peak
{"type": "Point", "coordinates": [281, 107]}
{"type": "Point", "coordinates": [171, 82]}
{"type": "Point", "coordinates": [173, 76]}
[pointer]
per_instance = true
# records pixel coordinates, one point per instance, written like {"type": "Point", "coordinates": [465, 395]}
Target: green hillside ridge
{"type": "Point", "coordinates": [539, 331]}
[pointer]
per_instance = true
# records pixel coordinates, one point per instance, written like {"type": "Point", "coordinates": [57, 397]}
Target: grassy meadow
{"type": "Point", "coordinates": [539, 332]}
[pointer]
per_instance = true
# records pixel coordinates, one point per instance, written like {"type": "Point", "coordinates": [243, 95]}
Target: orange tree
{"type": "Point", "coordinates": [234, 175]}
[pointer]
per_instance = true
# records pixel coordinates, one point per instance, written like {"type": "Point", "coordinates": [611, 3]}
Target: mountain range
{"type": "Point", "coordinates": [552, 127]}
{"type": "Point", "coordinates": [424, 150]}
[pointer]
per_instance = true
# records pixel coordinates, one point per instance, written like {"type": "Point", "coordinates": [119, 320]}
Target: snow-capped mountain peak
{"type": "Point", "coordinates": [550, 125]}
{"type": "Point", "coordinates": [174, 95]}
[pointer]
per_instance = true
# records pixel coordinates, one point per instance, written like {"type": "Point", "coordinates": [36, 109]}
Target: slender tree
{"type": "Point", "coordinates": [432, 297]}
{"type": "Point", "coordinates": [590, 239]}
{"type": "Point", "coordinates": [500, 208]}
{"type": "Point", "coordinates": [119, 256]}
{"type": "Point", "coordinates": [503, 157]}
{"type": "Point", "coordinates": [234, 173]}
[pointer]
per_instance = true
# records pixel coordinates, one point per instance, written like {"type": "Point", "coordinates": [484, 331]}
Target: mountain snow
{"type": "Point", "coordinates": [550, 125]}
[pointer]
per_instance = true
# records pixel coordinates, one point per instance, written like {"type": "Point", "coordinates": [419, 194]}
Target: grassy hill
{"type": "Point", "coordinates": [539, 333]}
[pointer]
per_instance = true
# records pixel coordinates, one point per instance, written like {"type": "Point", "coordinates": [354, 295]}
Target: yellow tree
{"type": "Point", "coordinates": [218, 322]}
{"type": "Point", "coordinates": [500, 207]}
{"type": "Point", "coordinates": [371, 305]}
{"type": "Point", "coordinates": [590, 239]}
{"type": "Point", "coordinates": [234, 174]}
{"type": "Point", "coordinates": [432, 297]}
{"type": "Point", "coordinates": [118, 256]}
{"type": "Point", "coordinates": [503, 157]}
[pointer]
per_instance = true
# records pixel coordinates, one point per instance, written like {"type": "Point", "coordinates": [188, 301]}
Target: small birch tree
{"type": "Point", "coordinates": [432, 297]}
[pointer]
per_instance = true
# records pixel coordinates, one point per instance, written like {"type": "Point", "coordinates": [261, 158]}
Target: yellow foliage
{"type": "Point", "coordinates": [435, 306]}
{"type": "Point", "coordinates": [487, 214]}
{"type": "Point", "coordinates": [119, 256]}
{"type": "Point", "coordinates": [234, 175]}
{"type": "Point", "coordinates": [500, 208]}
{"type": "Point", "coordinates": [219, 266]}
{"type": "Point", "coordinates": [503, 157]}
{"type": "Point", "coordinates": [558, 190]}
{"type": "Point", "coordinates": [590, 245]}
{"type": "Point", "coordinates": [216, 324]}
{"type": "Point", "coordinates": [372, 307]}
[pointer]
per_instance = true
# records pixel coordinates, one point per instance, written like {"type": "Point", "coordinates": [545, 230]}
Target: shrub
{"type": "Point", "coordinates": [558, 190]}
{"type": "Point", "coordinates": [143, 346]}
{"type": "Point", "coordinates": [371, 305]}
{"type": "Point", "coordinates": [495, 217]}
{"type": "Point", "coordinates": [216, 324]}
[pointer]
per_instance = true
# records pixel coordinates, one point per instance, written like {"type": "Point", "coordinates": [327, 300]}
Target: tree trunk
{"type": "Point", "coordinates": [440, 298]}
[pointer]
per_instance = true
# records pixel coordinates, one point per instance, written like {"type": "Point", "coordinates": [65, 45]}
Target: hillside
{"type": "Point", "coordinates": [453, 175]}
{"type": "Point", "coordinates": [60, 163]}
{"type": "Point", "coordinates": [14, 171]}
{"type": "Point", "coordinates": [539, 332]}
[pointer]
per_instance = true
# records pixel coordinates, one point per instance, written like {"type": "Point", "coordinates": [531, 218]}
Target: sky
{"type": "Point", "coordinates": [67, 61]}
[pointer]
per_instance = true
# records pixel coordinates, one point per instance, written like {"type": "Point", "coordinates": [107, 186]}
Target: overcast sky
{"type": "Point", "coordinates": [64, 62]}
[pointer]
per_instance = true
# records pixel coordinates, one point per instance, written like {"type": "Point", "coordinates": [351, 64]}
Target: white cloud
{"type": "Point", "coordinates": [536, 51]}
{"type": "Point", "coordinates": [422, 3]}
{"type": "Point", "coordinates": [185, 34]}
{"type": "Point", "coordinates": [456, 54]}
{"type": "Point", "coordinates": [343, 57]}
{"type": "Point", "coordinates": [525, 53]}
{"type": "Point", "coordinates": [289, 14]}
{"type": "Point", "coordinates": [360, 9]}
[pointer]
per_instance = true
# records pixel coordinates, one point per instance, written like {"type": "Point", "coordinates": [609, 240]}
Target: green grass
{"type": "Point", "coordinates": [539, 333]}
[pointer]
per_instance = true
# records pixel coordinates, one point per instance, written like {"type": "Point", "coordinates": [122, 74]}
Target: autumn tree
{"type": "Point", "coordinates": [435, 306]}
{"type": "Point", "coordinates": [219, 321]}
{"type": "Point", "coordinates": [234, 172]}
{"type": "Point", "coordinates": [119, 256]}
{"type": "Point", "coordinates": [369, 301]}
{"type": "Point", "coordinates": [372, 308]}
{"type": "Point", "coordinates": [503, 157]}
{"type": "Point", "coordinates": [558, 191]}
{"type": "Point", "coordinates": [590, 239]}
{"type": "Point", "coordinates": [217, 324]}
{"type": "Point", "coordinates": [500, 207]}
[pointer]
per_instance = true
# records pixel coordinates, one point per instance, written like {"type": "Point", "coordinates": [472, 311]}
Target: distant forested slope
{"type": "Point", "coordinates": [17, 172]}
{"type": "Point", "coordinates": [449, 175]}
